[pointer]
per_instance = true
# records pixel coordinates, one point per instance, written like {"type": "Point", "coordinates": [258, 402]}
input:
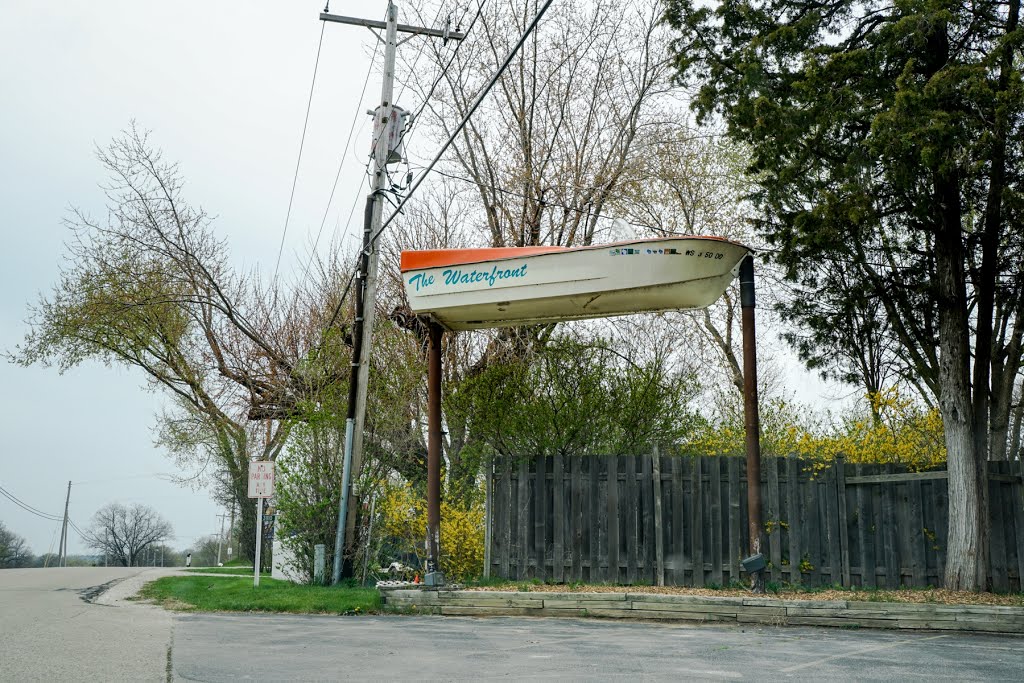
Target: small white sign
{"type": "Point", "coordinates": [261, 479]}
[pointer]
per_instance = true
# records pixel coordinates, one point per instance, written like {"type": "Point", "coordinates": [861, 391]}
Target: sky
{"type": "Point", "coordinates": [223, 88]}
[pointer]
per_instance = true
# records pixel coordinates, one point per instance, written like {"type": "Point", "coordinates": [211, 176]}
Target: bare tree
{"type": "Point", "coordinates": [150, 287]}
{"type": "Point", "coordinates": [14, 550]}
{"type": "Point", "coordinates": [122, 532]}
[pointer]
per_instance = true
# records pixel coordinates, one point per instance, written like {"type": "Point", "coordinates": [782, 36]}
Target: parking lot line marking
{"type": "Point", "coordinates": [861, 651]}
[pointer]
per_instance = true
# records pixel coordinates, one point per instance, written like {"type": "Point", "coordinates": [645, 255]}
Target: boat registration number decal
{"type": "Point", "coordinates": [631, 251]}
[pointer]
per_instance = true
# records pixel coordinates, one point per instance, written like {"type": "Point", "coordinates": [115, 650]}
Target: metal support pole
{"type": "Point", "coordinates": [259, 542]}
{"type": "Point", "coordinates": [339, 535]}
{"type": "Point", "coordinates": [433, 576]}
{"type": "Point", "coordinates": [751, 418]}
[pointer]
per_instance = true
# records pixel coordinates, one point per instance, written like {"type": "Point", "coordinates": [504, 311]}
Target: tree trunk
{"type": "Point", "coordinates": [1015, 431]}
{"type": "Point", "coordinates": [967, 554]}
{"type": "Point", "coordinates": [246, 524]}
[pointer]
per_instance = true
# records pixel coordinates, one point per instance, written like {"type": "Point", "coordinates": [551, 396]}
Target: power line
{"type": "Point", "coordinates": [341, 163]}
{"type": "Point", "coordinates": [588, 213]}
{"type": "Point", "coordinates": [465, 120]}
{"type": "Point", "coordinates": [77, 530]}
{"type": "Point", "coordinates": [437, 81]}
{"type": "Point", "coordinates": [419, 53]}
{"type": "Point", "coordinates": [302, 142]}
{"type": "Point", "coordinates": [28, 508]}
{"type": "Point", "coordinates": [444, 148]}
{"type": "Point", "coordinates": [416, 114]}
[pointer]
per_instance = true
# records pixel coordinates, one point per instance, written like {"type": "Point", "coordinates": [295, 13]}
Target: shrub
{"type": "Point", "coordinates": [403, 520]}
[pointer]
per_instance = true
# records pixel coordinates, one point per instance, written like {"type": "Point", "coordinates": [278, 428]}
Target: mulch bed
{"type": "Point", "coordinates": [929, 595]}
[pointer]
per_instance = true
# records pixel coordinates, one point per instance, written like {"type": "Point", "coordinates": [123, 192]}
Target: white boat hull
{"type": "Point", "coordinates": [576, 283]}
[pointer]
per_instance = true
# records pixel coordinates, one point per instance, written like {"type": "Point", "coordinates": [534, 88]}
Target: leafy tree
{"type": "Point", "coordinates": [307, 492]}
{"type": "Point", "coordinates": [575, 398]}
{"type": "Point", "coordinates": [885, 139]}
{"type": "Point", "coordinates": [124, 532]}
{"type": "Point", "coordinates": [149, 287]}
{"type": "Point", "coordinates": [14, 550]}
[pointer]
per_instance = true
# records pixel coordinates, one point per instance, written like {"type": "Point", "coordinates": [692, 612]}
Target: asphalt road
{"type": "Point", "coordinates": [48, 632]}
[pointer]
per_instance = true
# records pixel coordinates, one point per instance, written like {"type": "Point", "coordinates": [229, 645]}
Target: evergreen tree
{"type": "Point", "coordinates": [886, 140]}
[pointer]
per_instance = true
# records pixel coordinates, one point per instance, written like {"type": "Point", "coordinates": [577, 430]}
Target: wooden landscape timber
{"type": "Point", "coordinates": [845, 525]}
{"type": "Point", "coordinates": [735, 610]}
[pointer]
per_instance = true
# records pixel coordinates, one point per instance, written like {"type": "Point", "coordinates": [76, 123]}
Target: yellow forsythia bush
{"type": "Point", "coordinates": [404, 522]}
{"type": "Point", "coordinates": [897, 430]}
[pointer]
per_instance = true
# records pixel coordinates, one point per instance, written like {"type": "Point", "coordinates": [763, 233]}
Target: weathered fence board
{"type": "Point", "coordinates": [682, 521]}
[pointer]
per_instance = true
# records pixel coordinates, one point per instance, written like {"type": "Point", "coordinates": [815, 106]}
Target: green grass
{"type": "Point", "coordinates": [231, 571]}
{"type": "Point", "coordinates": [230, 594]}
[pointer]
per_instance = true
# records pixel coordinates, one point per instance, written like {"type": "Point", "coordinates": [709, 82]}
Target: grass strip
{"type": "Point", "coordinates": [230, 594]}
{"type": "Point", "coordinates": [230, 571]}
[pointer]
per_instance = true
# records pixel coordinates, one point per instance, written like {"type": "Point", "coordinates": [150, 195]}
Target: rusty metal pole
{"type": "Point", "coordinates": [751, 418]}
{"type": "Point", "coordinates": [433, 575]}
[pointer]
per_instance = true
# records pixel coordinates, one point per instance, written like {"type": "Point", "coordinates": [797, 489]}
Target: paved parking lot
{"type": "Point", "coordinates": [55, 627]}
{"type": "Point", "coordinates": [209, 648]}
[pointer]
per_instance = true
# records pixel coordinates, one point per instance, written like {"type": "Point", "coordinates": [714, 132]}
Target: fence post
{"type": "Point", "coordinates": [844, 534]}
{"type": "Point", "coordinates": [659, 542]}
{"type": "Point", "coordinates": [488, 516]}
{"type": "Point", "coordinates": [558, 518]}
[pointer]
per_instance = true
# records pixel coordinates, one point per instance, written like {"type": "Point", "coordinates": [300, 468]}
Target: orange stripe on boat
{"type": "Point", "coordinates": [437, 258]}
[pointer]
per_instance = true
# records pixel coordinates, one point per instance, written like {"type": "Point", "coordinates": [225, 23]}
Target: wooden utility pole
{"type": "Point", "coordinates": [386, 118]}
{"type": "Point", "coordinates": [220, 538]}
{"type": "Point", "coordinates": [231, 528]}
{"type": "Point", "coordinates": [62, 550]}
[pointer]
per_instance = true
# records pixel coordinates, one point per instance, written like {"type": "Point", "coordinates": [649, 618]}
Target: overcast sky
{"type": "Point", "coordinates": [223, 87]}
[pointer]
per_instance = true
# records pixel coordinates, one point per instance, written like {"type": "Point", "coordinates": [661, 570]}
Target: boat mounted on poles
{"type": "Point", "coordinates": [465, 289]}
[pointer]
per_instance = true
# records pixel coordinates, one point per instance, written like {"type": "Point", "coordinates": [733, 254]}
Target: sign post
{"type": "Point", "coordinates": [261, 485]}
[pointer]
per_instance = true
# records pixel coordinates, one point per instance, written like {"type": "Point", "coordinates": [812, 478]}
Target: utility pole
{"type": "Point", "coordinates": [220, 539]}
{"type": "Point", "coordinates": [388, 128]}
{"type": "Point", "coordinates": [231, 528]}
{"type": "Point", "coordinates": [62, 550]}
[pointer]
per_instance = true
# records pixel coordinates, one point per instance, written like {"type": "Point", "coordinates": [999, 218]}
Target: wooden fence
{"type": "Point", "coordinates": [682, 521]}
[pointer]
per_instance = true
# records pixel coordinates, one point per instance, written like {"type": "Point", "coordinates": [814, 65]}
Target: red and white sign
{"type": "Point", "coordinates": [261, 479]}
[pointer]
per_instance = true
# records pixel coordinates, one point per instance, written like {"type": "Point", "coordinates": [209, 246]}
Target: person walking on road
{"type": "Point", "coordinates": [188, 560]}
